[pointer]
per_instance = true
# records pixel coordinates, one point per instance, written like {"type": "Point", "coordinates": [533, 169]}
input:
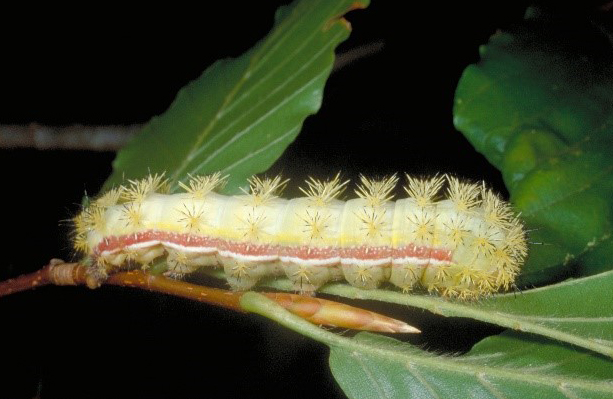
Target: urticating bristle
{"type": "Point", "coordinates": [422, 226]}
{"type": "Point", "coordinates": [132, 215]}
{"type": "Point", "coordinates": [496, 211]}
{"type": "Point", "coordinates": [140, 189]}
{"type": "Point", "coordinates": [373, 221]}
{"type": "Point", "coordinates": [110, 198]}
{"type": "Point", "coordinates": [80, 227]}
{"type": "Point", "coordinates": [193, 219]}
{"type": "Point", "coordinates": [315, 224]}
{"type": "Point", "coordinates": [515, 241]}
{"type": "Point", "coordinates": [425, 191]}
{"type": "Point", "coordinates": [79, 243]}
{"type": "Point", "coordinates": [79, 234]}
{"type": "Point", "coordinates": [456, 230]}
{"type": "Point", "coordinates": [200, 186]}
{"type": "Point", "coordinates": [484, 242]}
{"type": "Point", "coordinates": [252, 226]}
{"type": "Point", "coordinates": [263, 190]}
{"type": "Point", "coordinates": [376, 192]}
{"type": "Point", "coordinates": [322, 192]}
{"type": "Point", "coordinates": [465, 196]}
{"type": "Point", "coordinates": [93, 218]}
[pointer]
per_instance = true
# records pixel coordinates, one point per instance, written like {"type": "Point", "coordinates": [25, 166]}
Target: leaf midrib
{"type": "Point", "coordinates": [224, 106]}
{"type": "Point", "coordinates": [266, 115]}
{"type": "Point", "coordinates": [255, 64]}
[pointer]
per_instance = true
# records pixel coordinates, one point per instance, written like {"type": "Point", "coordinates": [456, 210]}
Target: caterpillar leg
{"type": "Point", "coordinates": [181, 263]}
{"type": "Point", "coordinates": [145, 256]}
{"type": "Point", "coordinates": [244, 274]}
{"type": "Point", "coordinates": [308, 278]}
{"type": "Point", "coordinates": [366, 276]}
{"type": "Point", "coordinates": [405, 275]}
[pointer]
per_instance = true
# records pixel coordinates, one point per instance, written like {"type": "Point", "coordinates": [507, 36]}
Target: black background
{"type": "Point", "coordinates": [387, 113]}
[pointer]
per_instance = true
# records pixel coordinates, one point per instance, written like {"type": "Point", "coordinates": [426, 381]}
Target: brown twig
{"type": "Point", "coordinates": [357, 53]}
{"type": "Point", "coordinates": [315, 310]}
{"type": "Point", "coordinates": [73, 137]}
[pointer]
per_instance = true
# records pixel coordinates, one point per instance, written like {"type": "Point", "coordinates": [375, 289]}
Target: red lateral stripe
{"type": "Point", "coordinates": [246, 248]}
{"type": "Point", "coordinates": [114, 243]}
{"type": "Point", "coordinates": [366, 253]}
{"type": "Point", "coordinates": [309, 253]}
{"type": "Point", "coordinates": [422, 252]}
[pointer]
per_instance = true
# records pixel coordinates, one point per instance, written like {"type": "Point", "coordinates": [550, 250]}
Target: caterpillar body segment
{"type": "Point", "coordinates": [467, 244]}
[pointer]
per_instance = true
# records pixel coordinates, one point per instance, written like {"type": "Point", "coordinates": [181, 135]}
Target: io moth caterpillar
{"type": "Point", "coordinates": [462, 241]}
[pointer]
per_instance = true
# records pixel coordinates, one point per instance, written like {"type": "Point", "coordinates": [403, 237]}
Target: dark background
{"type": "Point", "coordinates": [390, 112]}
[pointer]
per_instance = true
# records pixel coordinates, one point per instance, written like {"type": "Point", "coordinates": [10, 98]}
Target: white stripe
{"type": "Point", "coordinates": [249, 258]}
{"type": "Point", "coordinates": [178, 247]}
{"type": "Point", "coordinates": [366, 262]}
{"type": "Point", "coordinates": [419, 261]}
{"type": "Point", "coordinates": [311, 262]}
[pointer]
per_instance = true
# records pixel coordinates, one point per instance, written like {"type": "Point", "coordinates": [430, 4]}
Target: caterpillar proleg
{"type": "Point", "coordinates": [453, 238]}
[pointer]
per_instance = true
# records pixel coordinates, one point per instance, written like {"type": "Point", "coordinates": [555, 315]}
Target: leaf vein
{"type": "Point", "coordinates": [253, 106]}
{"type": "Point", "coordinates": [566, 392]}
{"type": "Point", "coordinates": [413, 370]}
{"type": "Point", "coordinates": [271, 72]}
{"type": "Point", "coordinates": [255, 123]}
{"type": "Point", "coordinates": [374, 382]}
{"type": "Point", "coordinates": [225, 103]}
{"type": "Point", "coordinates": [481, 378]}
{"type": "Point", "coordinates": [260, 150]}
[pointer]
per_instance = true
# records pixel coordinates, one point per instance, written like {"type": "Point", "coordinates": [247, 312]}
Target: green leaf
{"type": "Point", "coordinates": [577, 311]}
{"type": "Point", "coordinates": [506, 366]}
{"type": "Point", "coordinates": [241, 114]}
{"type": "Point", "coordinates": [538, 106]}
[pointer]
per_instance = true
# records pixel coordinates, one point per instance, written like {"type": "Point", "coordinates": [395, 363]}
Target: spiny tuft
{"type": "Point", "coordinates": [140, 189]}
{"type": "Point", "coordinates": [457, 231]}
{"type": "Point", "coordinates": [423, 226]}
{"type": "Point", "coordinates": [93, 218]}
{"type": "Point", "coordinates": [484, 242]}
{"type": "Point", "coordinates": [315, 224]}
{"type": "Point", "coordinates": [322, 192]}
{"type": "Point", "coordinates": [266, 189]}
{"type": "Point", "coordinates": [465, 196]}
{"type": "Point", "coordinates": [515, 241]}
{"type": "Point", "coordinates": [80, 227]}
{"type": "Point", "coordinates": [201, 185]}
{"type": "Point", "coordinates": [253, 225]}
{"type": "Point", "coordinates": [110, 198]}
{"type": "Point", "coordinates": [376, 192]}
{"type": "Point", "coordinates": [193, 219]}
{"type": "Point", "coordinates": [132, 215]}
{"type": "Point", "coordinates": [424, 191]}
{"type": "Point", "coordinates": [373, 221]}
{"type": "Point", "coordinates": [79, 243]}
{"type": "Point", "coordinates": [496, 211]}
